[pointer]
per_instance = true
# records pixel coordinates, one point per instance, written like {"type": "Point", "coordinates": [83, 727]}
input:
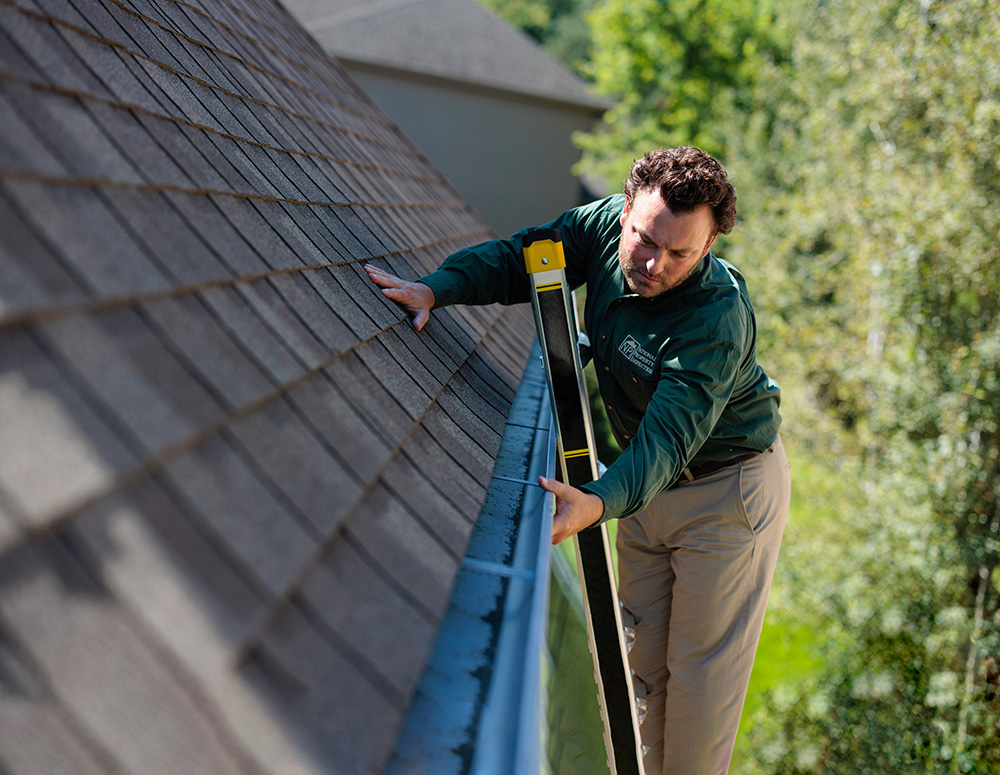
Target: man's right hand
{"type": "Point", "coordinates": [416, 298]}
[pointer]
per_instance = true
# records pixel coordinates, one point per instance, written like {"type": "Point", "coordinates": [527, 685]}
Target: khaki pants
{"type": "Point", "coordinates": [695, 571]}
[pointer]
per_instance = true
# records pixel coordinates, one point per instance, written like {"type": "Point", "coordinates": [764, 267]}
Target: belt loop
{"type": "Point", "coordinates": [688, 475]}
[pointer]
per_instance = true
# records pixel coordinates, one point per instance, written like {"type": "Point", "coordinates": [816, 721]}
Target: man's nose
{"type": "Point", "coordinates": [655, 263]}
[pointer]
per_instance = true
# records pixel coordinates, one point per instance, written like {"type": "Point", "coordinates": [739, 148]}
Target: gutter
{"type": "Point", "coordinates": [481, 705]}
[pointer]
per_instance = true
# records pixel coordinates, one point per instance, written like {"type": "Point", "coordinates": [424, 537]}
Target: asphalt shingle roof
{"type": "Point", "coordinates": [236, 487]}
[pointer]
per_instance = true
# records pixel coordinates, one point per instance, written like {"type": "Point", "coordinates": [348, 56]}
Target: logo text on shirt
{"type": "Point", "coordinates": [636, 355]}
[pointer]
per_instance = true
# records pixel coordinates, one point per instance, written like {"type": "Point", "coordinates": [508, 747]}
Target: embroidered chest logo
{"type": "Point", "coordinates": [637, 356]}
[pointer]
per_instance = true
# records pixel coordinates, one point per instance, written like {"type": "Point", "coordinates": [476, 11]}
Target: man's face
{"type": "Point", "coordinates": [659, 250]}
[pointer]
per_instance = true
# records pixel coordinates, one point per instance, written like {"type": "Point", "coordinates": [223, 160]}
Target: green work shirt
{"type": "Point", "coordinates": [677, 372]}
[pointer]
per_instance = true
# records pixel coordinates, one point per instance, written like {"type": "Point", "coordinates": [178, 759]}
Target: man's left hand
{"type": "Point", "coordinates": [575, 509]}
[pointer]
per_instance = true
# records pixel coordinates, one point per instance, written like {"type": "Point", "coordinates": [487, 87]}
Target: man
{"type": "Point", "coordinates": [702, 485]}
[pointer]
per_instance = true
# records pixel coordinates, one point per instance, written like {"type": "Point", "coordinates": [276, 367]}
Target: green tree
{"type": "Point", "coordinates": [557, 25]}
{"type": "Point", "coordinates": [871, 191]}
{"type": "Point", "coordinates": [674, 72]}
{"type": "Point", "coordinates": [532, 16]}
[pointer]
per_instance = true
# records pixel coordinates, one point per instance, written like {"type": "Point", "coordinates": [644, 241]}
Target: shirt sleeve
{"type": "Point", "coordinates": [693, 390]}
{"type": "Point", "coordinates": [491, 272]}
{"type": "Point", "coordinates": [494, 271]}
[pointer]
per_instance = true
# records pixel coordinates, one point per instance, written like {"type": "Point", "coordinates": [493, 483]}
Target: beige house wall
{"type": "Point", "coordinates": [509, 155]}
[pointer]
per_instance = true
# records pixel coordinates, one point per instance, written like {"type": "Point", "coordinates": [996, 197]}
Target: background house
{"type": "Point", "coordinates": [240, 499]}
{"type": "Point", "coordinates": [490, 109]}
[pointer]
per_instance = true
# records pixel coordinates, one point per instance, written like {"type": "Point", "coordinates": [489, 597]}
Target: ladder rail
{"type": "Point", "coordinates": [555, 319]}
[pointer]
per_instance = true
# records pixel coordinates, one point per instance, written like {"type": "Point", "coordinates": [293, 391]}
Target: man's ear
{"type": "Point", "coordinates": [621, 218]}
{"type": "Point", "coordinates": [708, 245]}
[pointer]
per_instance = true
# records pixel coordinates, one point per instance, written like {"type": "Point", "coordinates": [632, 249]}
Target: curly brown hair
{"type": "Point", "coordinates": [686, 177]}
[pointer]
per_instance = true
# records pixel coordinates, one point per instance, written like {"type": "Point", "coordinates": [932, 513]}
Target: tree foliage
{"type": "Point", "coordinates": [674, 69]}
{"type": "Point", "coordinates": [870, 190]}
{"type": "Point", "coordinates": [532, 16]}
{"type": "Point", "coordinates": [557, 25]}
{"type": "Point", "coordinates": [864, 140]}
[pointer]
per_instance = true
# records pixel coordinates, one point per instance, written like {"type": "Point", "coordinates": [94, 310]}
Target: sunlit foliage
{"type": "Point", "coordinates": [870, 192]}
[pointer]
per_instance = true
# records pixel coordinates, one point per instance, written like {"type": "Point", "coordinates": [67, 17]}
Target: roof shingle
{"type": "Point", "coordinates": [235, 485]}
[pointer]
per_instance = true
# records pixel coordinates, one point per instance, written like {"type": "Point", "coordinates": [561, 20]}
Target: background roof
{"type": "Point", "coordinates": [455, 39]}
{"type": "Point", "coordinates": [235, 486]}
